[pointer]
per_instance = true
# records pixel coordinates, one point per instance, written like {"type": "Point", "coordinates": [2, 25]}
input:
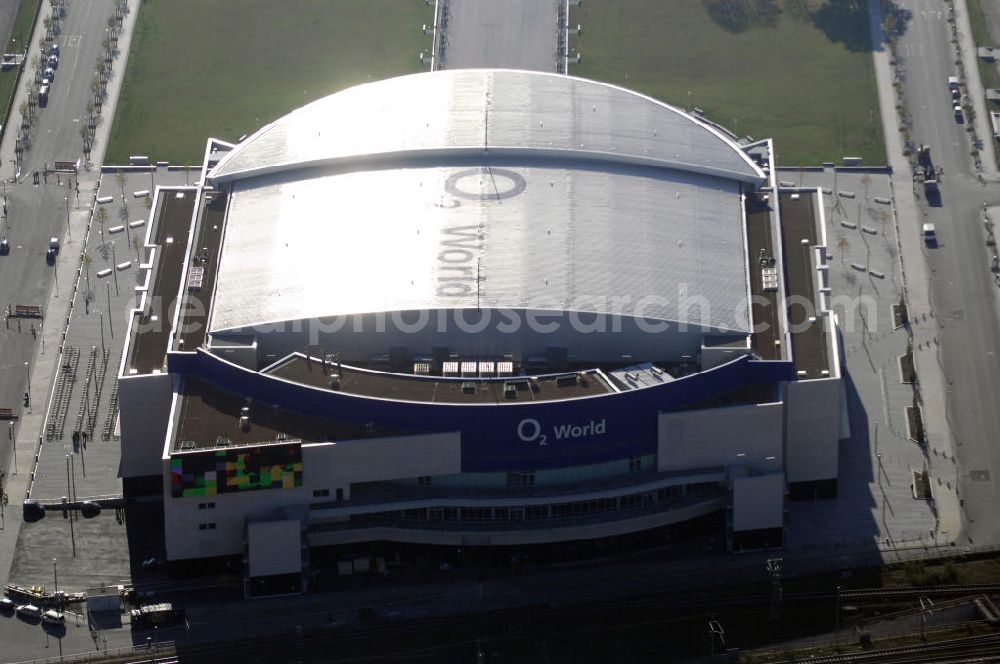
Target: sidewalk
{"type": "Point", "coordinates": [923, 326]}
{"type": "Point", "coordinates": [45, 364]}
{"type": "Point", "coordinates": [974, 86]}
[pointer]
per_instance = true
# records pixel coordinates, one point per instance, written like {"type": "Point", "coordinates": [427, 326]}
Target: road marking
{"type": "Point", "coordinates": [74, 40]}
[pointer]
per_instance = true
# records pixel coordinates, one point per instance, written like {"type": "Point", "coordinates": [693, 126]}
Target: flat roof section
{"type": "Point", "coordinates": [209, 415]}
{"type": "Point", "coordinates": [431, 389]}
{"type": "Point", "coordinates": [152, 329]}
{"type": "Point", "coordinates": [202, 272]}
{"type": "Point", "coordinates": [761, 249]}
{"type": "Point", "coordinates": [809, 343]}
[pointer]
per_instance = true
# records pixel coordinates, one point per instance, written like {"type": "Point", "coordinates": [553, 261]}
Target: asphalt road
{"type": "Point", "coordinates": [509, 34]}
{"type": "Point", "coordinates": [35, 214]}
{"type": "Point", "coordinates": [963, 295]}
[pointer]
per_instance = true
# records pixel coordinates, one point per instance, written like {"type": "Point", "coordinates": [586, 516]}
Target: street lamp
{"type": "Point", "coordinates": [27, 386]}
{"type": "Point", "coordinates": [69, 231]}
{"type": "Point", "coordinates": [114, 270]}
{"type": "Point", "coordinates": [69, 493]}
{"type": "Point", "coordinates": [55, 573]}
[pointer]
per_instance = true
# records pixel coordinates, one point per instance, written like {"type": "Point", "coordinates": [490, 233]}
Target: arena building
{"type": "Point", "coordinates": [478, 308]}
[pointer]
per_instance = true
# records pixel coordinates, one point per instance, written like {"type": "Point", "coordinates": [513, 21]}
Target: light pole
{"type": "Point", "coordinates": [13, 444]}
{"type": "Point", "coordinates": [69, 231]}
{"type": "Point", "coordinates": [102, 330]}
{"type": "Point", "coordinates": [72, 466]}
{"type": "Point", "coordinates": [55, 573]}
{"type": "Point", "coordinates": [72, 535]}
{"type": "Point", "coordinates": [114, 270]}
{"type": "Point", "coordinates": [111, 327]}
{"type": "Point", "coordinates": [27, 385]}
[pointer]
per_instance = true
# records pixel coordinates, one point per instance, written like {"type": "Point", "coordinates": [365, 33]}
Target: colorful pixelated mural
{"type": "Point", "coordinates": [232, 470]}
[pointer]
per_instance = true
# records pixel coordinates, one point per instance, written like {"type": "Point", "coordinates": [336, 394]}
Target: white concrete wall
{"type": "Point", "coordinates": [337, 465]}
{"type": "Point", "coordinates": [275, 547]}
{"type": "Point", "coordinates": [758, 502]}
{"type": "Point", "coordinates": [717, 436]}
{"type": "Point", "coordinates": [245, 355]}
{"type": "Point", "coordinates": [812, 445]}
{"type": "Point", "coordinates": [328, 466]}
{"type": "Point", "coordinates": [713, 356]}
{"type": "Point", "coordinates": [144, 403]}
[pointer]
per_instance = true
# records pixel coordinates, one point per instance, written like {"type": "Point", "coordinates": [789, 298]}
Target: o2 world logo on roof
{"type": "Point", "coordinates": [530, 430]}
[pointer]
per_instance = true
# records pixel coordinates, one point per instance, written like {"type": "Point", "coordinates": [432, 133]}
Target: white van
{"type": "Point", "coordinates": [54, 617]}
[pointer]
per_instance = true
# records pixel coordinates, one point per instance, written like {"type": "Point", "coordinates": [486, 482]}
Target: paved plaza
{"type": "Point", "coordinates": [97, 285]}
{"type": "Point", "coordinates": [876, 506]}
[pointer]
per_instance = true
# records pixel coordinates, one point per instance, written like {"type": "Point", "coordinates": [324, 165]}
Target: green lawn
{"type": "Point", "coordinates": [799, 71]}
{"type": "Point", "coordinates": [19, 36]}
{"type": "Point", "coordinates": [223, 68]}
{"type": "Point", "coordinates": [987, 70]}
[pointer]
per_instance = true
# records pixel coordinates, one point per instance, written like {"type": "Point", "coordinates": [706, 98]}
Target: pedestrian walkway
{"type": "Point", "coordinates": [908, 224]}
{"type": "Point", "coordinates": [30, 430]}
{"type": "Point", "coordinates": [505, 34]}
{"type": "Point", "coordinates": [977, 95]}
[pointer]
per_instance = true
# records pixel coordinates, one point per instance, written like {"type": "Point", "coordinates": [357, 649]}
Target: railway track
{"type": "Point", "coordinates": [874, 593]}
{"type": "Point", "coordinates": [970, 649]}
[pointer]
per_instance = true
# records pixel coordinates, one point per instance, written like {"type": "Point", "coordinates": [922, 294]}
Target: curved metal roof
{"type": "Point", "coordinates": [588, 198]}
{"type": "Point", "coordinates": [493, 111]}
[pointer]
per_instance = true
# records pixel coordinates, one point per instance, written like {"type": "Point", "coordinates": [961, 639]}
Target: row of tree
{"type": "Point", "coordinates": [28, 108]}
{"type": "Point", "coordinates": [102, 74]}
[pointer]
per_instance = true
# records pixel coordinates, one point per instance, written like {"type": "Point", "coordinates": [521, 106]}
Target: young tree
{"type": "Point", "coordinates": [102, 217]}
{"type": "Point", "coordinates": [120, 177]}
{"type": "Point", "coordinates": [85, 135]}
{"type": "Point", "coordinates": [87, 260]}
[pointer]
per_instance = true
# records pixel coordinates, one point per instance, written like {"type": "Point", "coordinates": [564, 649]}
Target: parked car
{"type": "Point", "coordinates": [54, 50]}
{"type": "Point", "coordinates": [7, 605]}
{"type": "Point", "coordinates": [54, 617]}
{"type": "Point", "coordinates": [4, 247]}
{"type": "Point", "coordinates": [50, 74]}
{"type": "Point", "coordinates": [53, 61]}
{"type": "Point", "coordinates": [930, 235]}
{"type": "Point", "coordinates": [29, 611]}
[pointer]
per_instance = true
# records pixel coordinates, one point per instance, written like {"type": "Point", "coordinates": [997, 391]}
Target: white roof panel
{"type": "Point", "coordinates": [469, 111]}
{"type": "Point", "coordinates": [545, 235]}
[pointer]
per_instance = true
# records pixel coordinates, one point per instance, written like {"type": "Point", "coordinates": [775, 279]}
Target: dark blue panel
{"type": "Point", "coordinates": [521, 436]}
